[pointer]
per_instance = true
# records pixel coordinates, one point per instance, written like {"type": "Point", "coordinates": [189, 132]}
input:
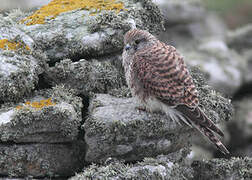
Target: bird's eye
{"type": "Point", "coordinates": [137, 41]}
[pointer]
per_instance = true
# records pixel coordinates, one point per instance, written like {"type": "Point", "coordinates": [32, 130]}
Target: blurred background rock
{"type": "Point", "coordinates": [215, 35]}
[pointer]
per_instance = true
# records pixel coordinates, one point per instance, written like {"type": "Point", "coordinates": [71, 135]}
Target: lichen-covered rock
{"type": "Point", "coordinates": [162, 167]}
{"type": "Point", "coordinates": [79, 31]}
{"type": "Point", "coordinates": [40, 137]}
{"type": "Point", "coordinates": [86, 77]}
{"type": "Point", "coordinates": [222, 66]}
{"type": "Point", "coordinates": [20, 66]}
{"type": "Point", "coordinates": [41, 160]}
{"type": "Point", "coordinates": [41, 120]}
{"type": "Point", "coordinates": [219, 169]}
{"type": "Point", "coordinates": [115, 128]}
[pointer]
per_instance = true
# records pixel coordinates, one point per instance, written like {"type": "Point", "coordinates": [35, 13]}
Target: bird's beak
{"type": "Point", "coordinates": [127, 47]}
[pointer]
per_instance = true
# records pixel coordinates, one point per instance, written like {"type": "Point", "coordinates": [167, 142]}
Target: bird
{"type": "Point", "coordinates": [158, 78]}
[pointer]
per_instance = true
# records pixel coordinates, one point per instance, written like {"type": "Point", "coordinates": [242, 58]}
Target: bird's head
{"type": "Point", "coordinates": [136, 39]}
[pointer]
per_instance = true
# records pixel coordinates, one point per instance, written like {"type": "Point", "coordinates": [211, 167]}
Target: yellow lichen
{"type": "Point", "coordinates": [12, 45]}
{"type": "Point", "coordinates": [55, 7]}
{"type": "Point", "coordinates": [38, 104]}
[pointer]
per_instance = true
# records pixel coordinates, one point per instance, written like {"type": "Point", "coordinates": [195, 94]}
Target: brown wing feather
{"type": "Point", "coordinates": [163, 74]}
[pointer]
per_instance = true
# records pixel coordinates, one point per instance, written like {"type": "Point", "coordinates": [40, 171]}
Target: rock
{"type": "Point", "coordinates": [55, 121]}
{"type": "Point", "coordinates": [20, 66]}
{"type": "Point", "coordinates": [219, 169]}
{"type": "Point", "coordinates": [181, 12]}
{"type": "Point", "coordinates": [40, 160]}
{"type": "Point", "coordinates": [40, 138]}
{"type": "Point", "coordinates": [198, 153]}
{"type": "Point", "coordinates": [243, 151]}
{"type": "Point", "coordinates": [241, 126]}
{"type": "Point", "coordinates": [241, 39]}
{"type": "Point", "coordinates": [184, 27]}
{"type": "Point", "coordinates": [248, 71]}
{"type": "Point", "coordinates": [222, 66]}
{"type": "Point", "coordinates": [116, 129]}
{"type": "Point", "coordinates": [86, 77]}
{"type": "Point", "coordinates": [162, 167]}
{"type": "Point", "coordinates": [82, 32]}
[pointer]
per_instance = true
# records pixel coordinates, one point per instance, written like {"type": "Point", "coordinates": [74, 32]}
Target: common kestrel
{"type": "Point", "coordinates": [159, 79]}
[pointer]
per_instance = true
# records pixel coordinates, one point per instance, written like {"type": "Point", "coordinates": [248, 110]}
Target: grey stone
{"type": "Point", "coordinates": [243, 151]}
{"type": "Point", "coordinates": [116, 129]}
{"type": "Point", "coordinates": [19, 68]}
{"type": "Point", "coordinates": [41, 160]}
{"type": "Point", "coordinates": [241, 125]}
{"type": "Point", "coordinates": [78, 34]}
{"type": "Point", "coordinates": [162, 167]}
{"type": "Point", "coordinates": [56, 123]}
{"type": "Point", "coordinates": [241, 39]}
{"type": "Point", "coordinates": [86, 77]}
{"type": "Point", "coordinates": [222, 66]}
{"type": "Point", "coordinates": [219, 169]}
{"type": "Point", "coordinates": [181, 12]}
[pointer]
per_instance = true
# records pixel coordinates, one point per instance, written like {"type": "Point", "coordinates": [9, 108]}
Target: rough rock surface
{"type": "Point", "coordinates": [163, 167]}
{"type": "Point", "coordinates": [19, 68]}
{"type": "Point", "coordinates": [86, 77]}
{"type": "Point", "coordinates": [234, 168]}
{"type": "Point", "coordinates": [115, 128]}
{"type": "Point", "coordinates": [42, 141]}
{"type": "Point", "coordinates": [77, 34]}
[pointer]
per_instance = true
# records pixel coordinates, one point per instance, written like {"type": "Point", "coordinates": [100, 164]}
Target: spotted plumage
{"type": "Point", "coordinates": [159, 79]}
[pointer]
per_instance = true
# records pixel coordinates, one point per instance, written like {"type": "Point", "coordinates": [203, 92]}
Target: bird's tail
{"type": "Point", "coordinates": [197, 118]}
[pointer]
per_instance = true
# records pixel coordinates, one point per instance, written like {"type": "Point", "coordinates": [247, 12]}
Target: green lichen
{"type": "Point", "coordinates": [214, 105]}
{"type": "Point", "coordinates": [234, 168]}
{"type": "Point", "coordinates": [162, 167]}
{"type": "Point", "coordinates": [87, 77]}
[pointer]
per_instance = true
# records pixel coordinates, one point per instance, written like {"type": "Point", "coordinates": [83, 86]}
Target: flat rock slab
{"type": "Point", "coordinates": [162, 167]}
{"type": "Point", "coordinates": [82, 33]}
{"type": "Point", "coordinates": [86, 77]}
{"type": "Point", "coordinates": [40, 160]}
{"type": "Point", "coordinates": [115, 128]}
{"type": "Point", "coordinates": [56, 122]}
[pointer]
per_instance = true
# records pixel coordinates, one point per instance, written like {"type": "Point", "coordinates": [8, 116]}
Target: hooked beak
{"type": "Point", "coordinates": [127, 47]}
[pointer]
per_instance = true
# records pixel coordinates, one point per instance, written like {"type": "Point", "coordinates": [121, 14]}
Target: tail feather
{"type": "Point", "coordinates": [210, 135]}
{"type": "Point", "coordinates": [201, 122]}
{"type": "Point", "coordinates": [197, 116]}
